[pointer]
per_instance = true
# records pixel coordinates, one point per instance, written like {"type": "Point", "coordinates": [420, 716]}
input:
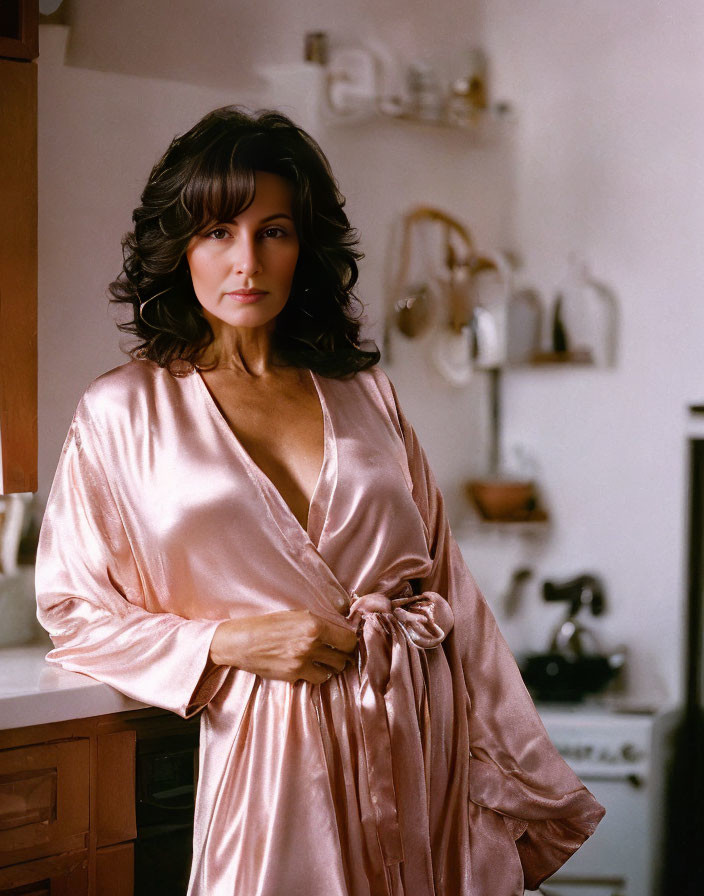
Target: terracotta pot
{"type": "Point", "coordinates": [503, 499]}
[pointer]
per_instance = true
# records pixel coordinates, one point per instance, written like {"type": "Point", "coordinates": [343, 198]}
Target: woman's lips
{"type": "Point", "coordinates": [247, 296]}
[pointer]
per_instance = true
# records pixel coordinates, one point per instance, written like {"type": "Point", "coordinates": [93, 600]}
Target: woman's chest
{"type": "Point", "coordinates": [281, 429]}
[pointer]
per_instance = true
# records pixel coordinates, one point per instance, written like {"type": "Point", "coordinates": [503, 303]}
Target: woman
{"type": "Point", "coordinates": [243, 522]}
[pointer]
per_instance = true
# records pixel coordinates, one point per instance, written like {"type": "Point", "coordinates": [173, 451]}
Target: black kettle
{"type": "Point", "coordinates": [574, 665]}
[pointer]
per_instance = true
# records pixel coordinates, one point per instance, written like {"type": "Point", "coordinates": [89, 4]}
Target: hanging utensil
{"type": "Point", "coordinates": [490, 309]}
{"type": "Point", "coordinates": [452, 347]}
{"type": "Point", "coordinates": [411, 304]}
{"type": "Point", "coordinates": [413, 311]}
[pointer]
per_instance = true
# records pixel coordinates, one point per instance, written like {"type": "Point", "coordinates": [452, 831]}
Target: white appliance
{"type": "Point", "coordinates": [620, 757]}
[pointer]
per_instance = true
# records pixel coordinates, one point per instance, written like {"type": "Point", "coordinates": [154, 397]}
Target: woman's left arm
{"type": "Point", "coordinates": [514, 767]}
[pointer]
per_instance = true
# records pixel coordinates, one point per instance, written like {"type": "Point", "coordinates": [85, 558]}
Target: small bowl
{"type": "Point", "coordinates": [504, 499]}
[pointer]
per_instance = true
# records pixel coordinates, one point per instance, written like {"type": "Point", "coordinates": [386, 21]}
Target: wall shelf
{"type": "Point", "coordinates": [473, 524]}
{"type": "Point", "coordinates": [485, 126]}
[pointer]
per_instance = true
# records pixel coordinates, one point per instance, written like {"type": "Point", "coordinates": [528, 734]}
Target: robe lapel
{"type": "Point", "coordinates": [283, 516]}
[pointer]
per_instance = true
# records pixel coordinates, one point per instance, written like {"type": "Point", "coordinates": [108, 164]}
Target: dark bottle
{"type": "Point", "coordinates": [560, 339]}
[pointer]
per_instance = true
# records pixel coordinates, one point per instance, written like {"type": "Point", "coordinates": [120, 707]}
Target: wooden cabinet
{"type": "Point", "coordinates": [19, 29]}
{"type": "Point", "coordinates": [71, 799]}
{"type": "Point", "coordinates": [18, 246]}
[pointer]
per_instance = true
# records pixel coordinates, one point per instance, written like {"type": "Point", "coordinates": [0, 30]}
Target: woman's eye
{"type": "Point", "coordinates": [218, 233]}
{"type": "Point", "coordinates": [274, 232]}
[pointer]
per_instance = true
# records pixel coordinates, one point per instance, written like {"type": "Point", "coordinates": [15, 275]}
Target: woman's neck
{"type": "Point", "coordinates": [246, 350]}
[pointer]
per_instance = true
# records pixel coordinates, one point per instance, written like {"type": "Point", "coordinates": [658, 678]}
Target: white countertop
{"type": "Point", "coordinates": [32, 692]}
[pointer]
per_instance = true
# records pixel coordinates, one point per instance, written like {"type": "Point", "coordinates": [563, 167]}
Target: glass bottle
{"type": "Point", "coordinates": [468, 93]}
{"type": "Point", "coordinates": [426, 95]}
{"type": "Point", "coordinates": [589, 315]}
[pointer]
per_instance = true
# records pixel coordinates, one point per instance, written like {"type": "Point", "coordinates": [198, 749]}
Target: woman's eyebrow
{"type": "Point", "coordinates": [274, 216]}
{"type": "Point", "coordinates": [265, 220]}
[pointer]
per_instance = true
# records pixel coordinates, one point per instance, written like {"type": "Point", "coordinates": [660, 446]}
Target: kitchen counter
{"type": "Point", "coordinates": [32, 692]}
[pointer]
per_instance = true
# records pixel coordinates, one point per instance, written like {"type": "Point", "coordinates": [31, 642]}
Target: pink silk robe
{"type": "Point", "coordinates": [424, 769]}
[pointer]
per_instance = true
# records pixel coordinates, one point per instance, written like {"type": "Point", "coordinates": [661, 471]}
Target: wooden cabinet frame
{"type": "Point", "coordinates": [18, 276]}
{"type": "Point", "coordinates": [24, 42]}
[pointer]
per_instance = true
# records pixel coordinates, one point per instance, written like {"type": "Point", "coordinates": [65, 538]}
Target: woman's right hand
{"type": "Point", "coordinates": [288, 646]}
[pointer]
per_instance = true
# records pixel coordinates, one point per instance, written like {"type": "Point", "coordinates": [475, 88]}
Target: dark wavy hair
{"type": "Point", "coordinates": [207, 175]}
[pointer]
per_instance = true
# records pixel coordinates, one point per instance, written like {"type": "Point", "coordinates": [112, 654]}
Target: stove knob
{"type": "Point", "coordinates": [630, 752]}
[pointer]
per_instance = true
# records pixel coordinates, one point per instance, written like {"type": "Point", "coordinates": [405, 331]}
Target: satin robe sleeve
{"type": "Point", "coordinates": [514, 767]}
{"type": "Point", "coordinates": [89, 593]}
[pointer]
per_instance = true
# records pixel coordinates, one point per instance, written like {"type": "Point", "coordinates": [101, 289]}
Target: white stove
{"type": "Point", "coordinates": [620, 757]}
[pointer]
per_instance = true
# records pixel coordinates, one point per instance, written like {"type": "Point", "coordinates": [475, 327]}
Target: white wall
{"type": "Point", "coordinates": [607, 161]}
{"type": "Point", "coordinates": [100, 132]}
{"type": "Point", "coordinates": [99, 135]}
{"type": "Point", "coordinates": [611, 100]}
{"type": "Point", "coordinates": [223, 42]}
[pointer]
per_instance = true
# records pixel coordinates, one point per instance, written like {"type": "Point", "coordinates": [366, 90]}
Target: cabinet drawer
{"type": "Point", "coordinates": [44, 802]}
{"type": "Point", "coordinates": [64, 875]}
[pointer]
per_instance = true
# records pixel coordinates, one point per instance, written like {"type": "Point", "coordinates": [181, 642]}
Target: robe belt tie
{"type": "Point", "coordinates": [425, 619]}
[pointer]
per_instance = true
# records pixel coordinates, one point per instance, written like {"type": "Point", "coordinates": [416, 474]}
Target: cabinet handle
{"type": "Point", "coordinates": [636, 781]}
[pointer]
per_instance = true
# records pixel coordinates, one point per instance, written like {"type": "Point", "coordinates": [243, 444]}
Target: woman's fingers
{"type": "Point", "coordinates": [331, 648]}
{"type": "Point", "coordinates": [337, 636]}
{"type": "Point", "coordinates": [317, 674]}
{"type": "Point", "coordinates": [328, 656]}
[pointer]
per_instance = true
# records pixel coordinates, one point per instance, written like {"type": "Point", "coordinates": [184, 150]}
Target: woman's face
{"type": "Point", "coordinates": [242, 270]}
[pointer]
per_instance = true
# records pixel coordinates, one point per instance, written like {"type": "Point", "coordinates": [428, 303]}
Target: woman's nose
{"type": "Point", "coordinates": [247, 260]}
